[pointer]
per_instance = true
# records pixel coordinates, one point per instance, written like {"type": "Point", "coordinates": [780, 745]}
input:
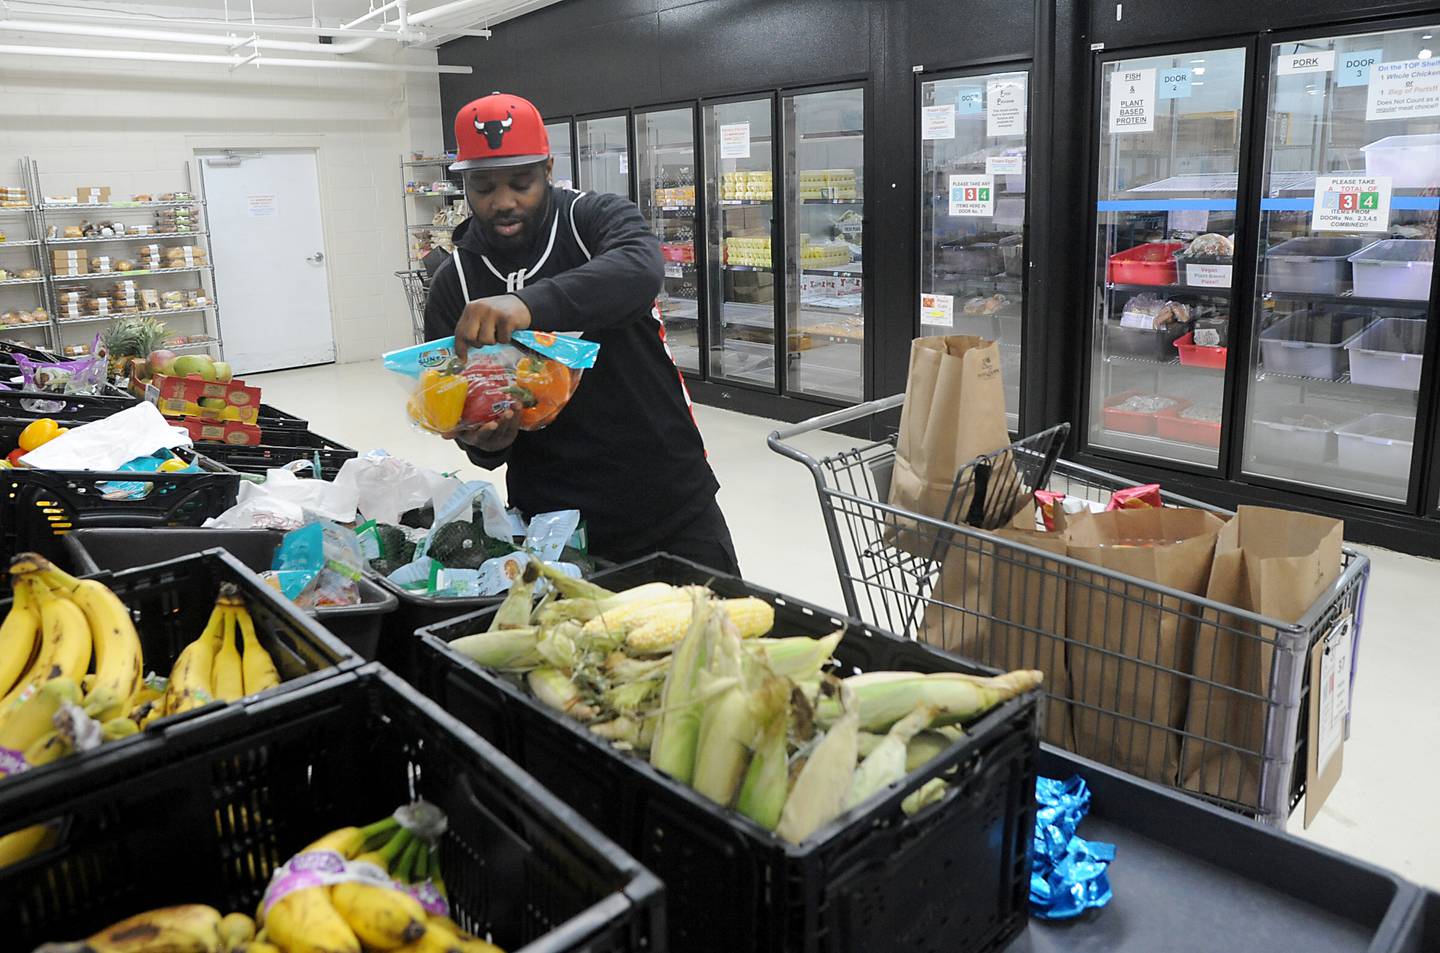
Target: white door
{"type": "Point", "coordinates": [269, 257]}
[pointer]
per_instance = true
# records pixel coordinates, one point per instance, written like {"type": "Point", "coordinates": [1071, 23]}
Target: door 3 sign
{"type": "Point", "coordinates": [1351, 203]}
{"type": "Point", "coordinates": [1132, 100]}
{"type": "Point", "coordinates": [972, 195]}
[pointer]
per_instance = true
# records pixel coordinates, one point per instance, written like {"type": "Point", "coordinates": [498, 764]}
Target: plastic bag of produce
{"type": "Point", "coordinates": [83, 376]}
{"type": "Point", "coordinates": [535, 376]}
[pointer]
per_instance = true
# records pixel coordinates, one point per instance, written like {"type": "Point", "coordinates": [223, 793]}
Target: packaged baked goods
{"type": "Point", "coordinates": [534, 376]}
{"type": "Point", "coordinates": [28, 274]}
{"type": "Point", "coordinates": [73, 231]}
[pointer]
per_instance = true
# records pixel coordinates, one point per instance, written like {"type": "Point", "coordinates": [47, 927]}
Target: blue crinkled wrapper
{"type": "Point", "coordinates": [1067, 874]}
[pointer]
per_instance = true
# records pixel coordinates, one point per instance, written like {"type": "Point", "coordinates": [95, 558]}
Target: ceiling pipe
{"type": "Point", "coordinates": [104, 18]}
{"type": "Point", "coordinates": [231, 61]}
{"type": "Point", "coordinates": [165, 36]}
{"type": "Point", "coordinates": [372, 14]}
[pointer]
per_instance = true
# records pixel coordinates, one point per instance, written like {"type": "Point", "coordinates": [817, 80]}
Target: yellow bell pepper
{"type": "Point", "coordinates": [439, 400]}
{"type": "Point", "coordinates": [40, 432]}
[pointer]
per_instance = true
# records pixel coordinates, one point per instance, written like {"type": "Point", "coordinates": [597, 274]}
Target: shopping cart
{"type": "Point", "coordinates": [417, 292]}
{"type": "Point", "coordinates": [1191, 693]}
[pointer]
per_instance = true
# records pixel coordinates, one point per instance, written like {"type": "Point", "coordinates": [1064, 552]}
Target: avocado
{"type": "Point", "coordinates": [454, 546]}
{"type": "Point", "coordinates": [392, 540]}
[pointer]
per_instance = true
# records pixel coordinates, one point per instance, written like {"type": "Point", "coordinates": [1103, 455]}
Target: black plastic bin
{"type": "Point", "coordinates": [171, 602]}
{"type": "Point", "coordinates": [302, 445]}
{"type": "Point", "coordinates": [1152, 345]}
{"type": "Point", "coordinates": [954, 877]}
{"type": "Point", "coordinates": [69, 407]}
{"type": "Point", "coordinates": [1420, 931]}
{"type": "Point", "coordinates": [93, 550]}
{"type": "Point", "coordinates": [205, 816]}
{"type": "Point", "coordinates": [399, 648]}
{"type": "Point", "coordinates": [1192, 878]}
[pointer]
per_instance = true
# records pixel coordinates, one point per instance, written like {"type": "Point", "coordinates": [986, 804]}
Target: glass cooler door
{"type": "Point", "coordinates": [824, 225]}
{"type": "Point", "coordinates": [1347, 245]}
{"type": "Point", "coordinates": [740, 197]}
{"type": "Point", "coordinates": [972, 214]}
{"type": "Point", "coordinates": [563, 172]}
{"type": "Point", "coordinates": [1166, 201]}
{"type": "Point", "coordinates": [604, 154]}
{"type": "Point", "coordinates": [665, 148]}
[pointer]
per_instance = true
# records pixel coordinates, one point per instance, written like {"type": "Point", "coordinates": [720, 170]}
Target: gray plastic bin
{"type": "Point", "coordinates": [1394, 268]}
{"type": "Point", "coordinates": [1389, 353]}
{"type": "Point", "coordinates": [1379, 444]}
{"type": "Point", "coordinates": [1312, 264]}
{"type": "Point", "coordinates": [1310, 344]}
{"type": "Point", "coordinates": [1295, 433]}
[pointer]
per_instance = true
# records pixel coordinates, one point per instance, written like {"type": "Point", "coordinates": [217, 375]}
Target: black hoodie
{"type": "Point", "coordinates": [625, 451]}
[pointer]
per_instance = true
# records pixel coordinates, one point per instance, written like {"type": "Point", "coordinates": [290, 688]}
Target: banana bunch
{"type": "Point", "coordinates": [216, 666]}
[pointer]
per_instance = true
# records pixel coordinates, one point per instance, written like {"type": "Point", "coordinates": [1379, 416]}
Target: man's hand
{"type": "Point", "coordinates": [494, 436]}
{"type": "Point", "coordinates": [490, 321]}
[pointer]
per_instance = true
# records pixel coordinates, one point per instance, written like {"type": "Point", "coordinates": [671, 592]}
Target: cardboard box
{"type": "Point", "coordinates": [70, 267]}
{"type": "Point", "coordinates": [182, 396]}
{"type": "Point", "coordinates": [232, 432]}
{"type": "Point", "coordinates": [93, 195]}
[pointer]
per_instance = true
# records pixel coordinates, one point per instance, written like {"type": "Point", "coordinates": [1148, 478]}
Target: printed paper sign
{"type": "Point", "coordinates": [970, 100]}
{"type": "Point", "coordinates": [624, 163]}
{"type": "Point", "coordinates": [937, 311]}
{"type": "Point", "coordinates": [937, 122]}
{"type": "Point", "coordinates": [1334, 691]}
{"type": "Point", "coordinates": [1132, 101]}
{"type": "Point", "coordinates": [1312, 61]}
{"type": "Point", "coordinates": [1005, 165]}
{"type": "Point", "coordinates": [972, 196]}
{"type": "Point", "coordinates": [735, 140]}
{"type": "Point", "coordinates": [1005, 107]}
{"type": "Point", "coordinates": [673, 269]}
{"type": "Point", "coordinates": [1174, 83]}
{"type": "Point", "coordinates": [1208, 276]}
{"type": "Point", "coordinates": [1404, 89]}
{"type": "Point", "coordinates": [1351, 203]}
{"type": "Point", "coordinates": [1353, 69]}
{"type": "Point", "coordinates": [260, 206]}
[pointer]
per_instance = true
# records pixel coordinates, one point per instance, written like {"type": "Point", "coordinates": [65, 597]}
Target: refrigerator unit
{"type": "Point", "coordinates": [603, 154]}
{"type": "Point", "coordinates": [562, 150]}
{"type": "Point", "coordinates": [665, 150]}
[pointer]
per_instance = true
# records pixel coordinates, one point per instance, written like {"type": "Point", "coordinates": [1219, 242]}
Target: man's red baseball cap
{"type": "Point", "coordinates": [497, 131]}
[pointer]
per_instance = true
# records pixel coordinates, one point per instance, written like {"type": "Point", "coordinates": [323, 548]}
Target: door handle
{"type": "Point", "coordinates": [317, 258]}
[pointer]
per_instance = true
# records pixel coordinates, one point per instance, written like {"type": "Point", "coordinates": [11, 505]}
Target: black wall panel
{"type": "Point", "coordinates": [941, 34]}
{"type": "Point", "coordinates": [1144, 22]}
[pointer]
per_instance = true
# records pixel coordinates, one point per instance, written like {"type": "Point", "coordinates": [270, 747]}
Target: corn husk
{"type": "Point", "coordinates": [886, 764]}
{"type": "Point", "coordinates": [514, 611]}
{"type": "Point", "coordinates": [555, 689]}
{"type": "Point", "coordinates": [556, 645]}
{"type": "Point", "coordinates": [799, 658]}
{"type": "Point", "coordinates": [583, 609]}
{"type": "Point", "coordinates": [569, 587]}
{"type": "Point", "coordinates": [820, 790]}
{"type": "Point", "coordinates": [677, 727]}
{"type": "Point", "coordinates": [727, 722]}
{"type": "Point", "coordinates": [505, 650]}
{"type": "Point", "coordinates": [928, 793]}
{"type": "Point", "coordinates": [885, 699]}
{"type": "Point", "coordinates": [767, 779]}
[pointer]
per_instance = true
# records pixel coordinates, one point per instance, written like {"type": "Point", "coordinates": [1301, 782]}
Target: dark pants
{"type": "Point", "coordinates": [704, 540]}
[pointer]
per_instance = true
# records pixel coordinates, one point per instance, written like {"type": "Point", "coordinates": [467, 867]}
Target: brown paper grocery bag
{"type": "Point", "coordinates": [954, 412]}
{"type": "Point", "coordinates": [1275, 563]}
{"type": "Point", "coordinates": [1003, 607]}
{"type": "Point", "coordinates": [1131, 648]}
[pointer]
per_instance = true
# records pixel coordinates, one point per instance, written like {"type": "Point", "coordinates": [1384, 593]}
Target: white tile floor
{"type": "Point", "coordinates": [1381, 811]}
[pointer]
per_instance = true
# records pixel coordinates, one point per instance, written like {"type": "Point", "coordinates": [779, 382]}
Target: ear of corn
{"type": "Point", "coordinates": [800, 657]}
{"type": "Point", "coordinates": [621, 729]}
{"type": "Point", "coordinates": [924, 748]}
{"type": "Point", "coordinates": [569, 587]}
{"type": "Point", "coordinates": [554, 688]}
{"type": "Point", "coordinates": [884, 701]}
{"type": "Point", "coordinates": [630, 698]}
{"type": "Point", "coordinates": [727, 723]}
{"type": "Point", "coordinates": [611, 626]}
{"type": "Point", "coordinates": [677, 727]}
{"type": "Point", "coordinates": [662, 628]}
{"type": "Point", "coordinates": [556, 645]}
{"type": "Point", "coordinates": [762, 793]}
{"type": "Point", "coordinates": [583, 610]}
{"type": "Point", "coordinates": [514, 611]}
{"type": "Point", "coordinates": [928, 793]}
{"type": "Point", "coordinates": [886, 764]}
{"type": "Point", "coordinates": [501, 649]}
{"type": "Point", "coordinates": [818, 796]}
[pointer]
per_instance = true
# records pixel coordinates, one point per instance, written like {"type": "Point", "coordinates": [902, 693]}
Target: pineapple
{"type": "Point", "coordinates": [129, 339]}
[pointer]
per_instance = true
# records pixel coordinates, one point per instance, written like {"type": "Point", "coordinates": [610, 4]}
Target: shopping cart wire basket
{"type": "Point", "coordinates": [417, 292]}
{"type": "Point", "coordinates": [1185, 691]}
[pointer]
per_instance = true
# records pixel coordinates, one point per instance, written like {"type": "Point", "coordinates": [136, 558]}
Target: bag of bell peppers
{"type": "Point", "coordinates": [535, 376]}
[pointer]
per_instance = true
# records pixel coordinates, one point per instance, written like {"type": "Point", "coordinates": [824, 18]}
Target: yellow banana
{"type": "Point", "coordinates": [25, 843]}
{"type": "Point", "coordinates": [191, 928]}
{"type": "Point", "coordinates": [65, 639]}
{"type": "Point", "coordinates": [236, 929]}
{"type": "Point", "coordinates": [257, 946]}
{"type": "Point", "coordinates": [35, 717]}
{"type": "Point", "coordinates": [49, 747]}
{"type": "Point", "coordinates": [445, 936]}
{"type": "Point", "coordinates": [190, 679]}
{"type": "Point", "coordinates": [40, 653]}
{"type": "Point", "coordinates": [304, 921]}
{"type": "Point", "coordinates": [102, 704]}
{"type": "Point", "coordinates": [228, 678]}
{"type": "Point", "coordinates": [259, 667]}
{"type": "Point", "coordinates": [117, 728]}
{"type": "Point", "coordinates": [18, 638]}
{"type": "Point", "coordinates": [381, 917]}
{"type": "Point", "coordinates": [119, 664]}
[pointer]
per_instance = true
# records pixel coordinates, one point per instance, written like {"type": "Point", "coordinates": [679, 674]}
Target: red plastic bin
{"type": "Point", "coordinates": [1152, 263]}
{"type": "Point", "coordinates": [1130, 421]}
{"type": "Point", "coordinates": [1196, 355]}
{"type": "Point", "coordinates": [1201, 433]}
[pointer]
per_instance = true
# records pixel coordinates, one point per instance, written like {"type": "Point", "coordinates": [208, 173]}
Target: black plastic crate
{"type": "Point", "coordinates": [1420, 930]}
{"type": "Point", "coordinates": [304, 445]}
{"type": "Point", "coordinates": [170, 603]}
{"type": "Point", "coordinates": [1152, 345]}
{"type": "Point", "coordinates": [954, 877]}
{"type": "Point", "coordinates": [1189, 877]}
{"type": "Point", "coordinates": [38, 507]}
{"type": "Point", "coordinates": [93, 550]}
{"type": "Point", "coordinates": [20, 404]}
{"type": "Point", "coordinates": [206, 816]}
{"type": "Point", "coordinates": [399, 648]}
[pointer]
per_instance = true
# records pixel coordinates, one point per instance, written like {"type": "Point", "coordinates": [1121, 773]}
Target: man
{"type": "Point", "coordinates": [625, 451]}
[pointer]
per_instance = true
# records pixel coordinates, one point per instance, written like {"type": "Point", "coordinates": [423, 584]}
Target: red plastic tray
{"type": "Point", "coordinates": [1196, 355]}
{"type": "Point", "coordinates": [1201, 433]}
{"type": "Point", "coordinates": [1152, 263]}
{"type": "Point", "coordinates": [1129, 421]}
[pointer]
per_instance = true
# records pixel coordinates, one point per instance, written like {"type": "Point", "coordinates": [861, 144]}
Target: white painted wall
{"type": "Point", "coordinates": [133, 126]}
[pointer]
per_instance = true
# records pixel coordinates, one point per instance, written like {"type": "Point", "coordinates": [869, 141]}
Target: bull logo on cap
{"type": "Point", "coordinates": [494, 129]}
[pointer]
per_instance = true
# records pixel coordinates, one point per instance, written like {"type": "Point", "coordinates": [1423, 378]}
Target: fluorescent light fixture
{"type": "Point", "coordinates": [1199, 71]}
{"type": "Point", "coordinates": [1424, 54]}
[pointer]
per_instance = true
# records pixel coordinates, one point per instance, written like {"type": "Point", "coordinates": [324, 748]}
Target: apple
{"type": "Point", "coordinates": [222, 372]}
{"type": "Point", "coordinates": [194, 364]}
{"type": "Point", "coordinates": [159, 361]}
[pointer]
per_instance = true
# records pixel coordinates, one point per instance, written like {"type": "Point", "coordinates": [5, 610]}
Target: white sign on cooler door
{"type": "Point", "coordinates": [1132, 101]}
{"type": "Point", "coordinates": [937, 122]}
{"type": "Point", "coordinates": [1310, 61]}
{"type": "Point", "coordinates": [1208, 276]}
{"type": "Point", "coordinates": [1403, 90]}
{"type": "Point", "coordinates": [1351, 203]}
{"type": "Point", "coordinates": [937, 311]}
{"type": "Point", "coordinates": [1005, 165]}
{"type": "Point", "coordinates": [972, 196]}
{"type": "Point", "coordinates": [1005, 107]}
{"type": "Point", "coordinates": [735, 140]}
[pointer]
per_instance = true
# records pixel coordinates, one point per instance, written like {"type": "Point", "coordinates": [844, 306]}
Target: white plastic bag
{"type": "Point", "coordinates": [387, 487]}
{"type": "Point", "coordinates": [284, 501]}
{"type": "Point", "coordinates": [105, 445]}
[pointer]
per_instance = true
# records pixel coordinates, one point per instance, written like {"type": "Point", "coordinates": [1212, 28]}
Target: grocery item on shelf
{"type": "Point", "coordinates": [28, 274]}
{"type": "Point", "coordinates": [750, 252]}
{"type": "Point", "coordinates": [194, 385]}
{"type": "Point", "coordinates": [14, 196]}
{"type": "Point", "coordinates": [681, 197]}
{"type": "Point", "coordinates": [819, 184]}
{"type": "Point", "coordinates": [93, 194]}
{"type": "Point", "coordinates": [745, 186]}
{"type": "Point", "coordinates": [985, 305]}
